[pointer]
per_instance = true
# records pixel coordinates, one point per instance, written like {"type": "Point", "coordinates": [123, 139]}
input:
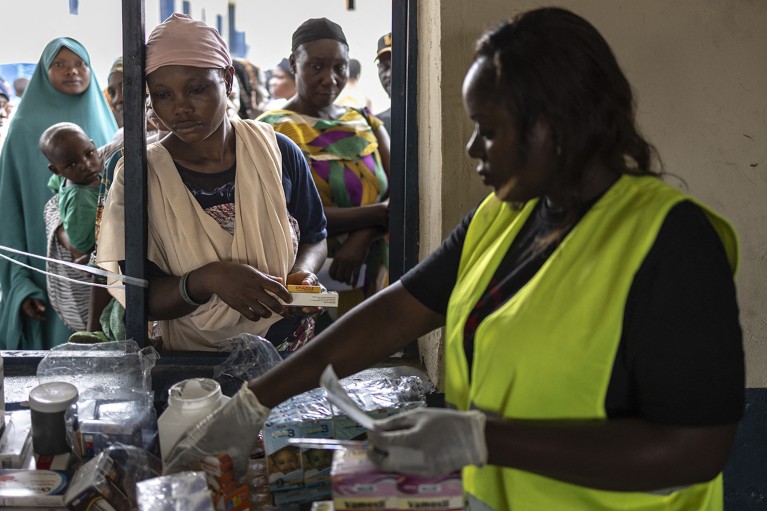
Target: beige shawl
{"type": "Point", "coordinates": [182, 237]}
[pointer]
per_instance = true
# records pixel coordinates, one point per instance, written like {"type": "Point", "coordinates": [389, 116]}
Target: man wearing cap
{"type": "Point", "coordinates": [383, 60]}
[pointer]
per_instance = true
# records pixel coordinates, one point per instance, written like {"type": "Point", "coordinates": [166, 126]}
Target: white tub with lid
{"type": "Point", "coordinates": [189, 401]}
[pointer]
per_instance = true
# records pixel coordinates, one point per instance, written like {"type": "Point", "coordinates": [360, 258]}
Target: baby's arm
{"type": "Point", "coordinates": [63, 239]}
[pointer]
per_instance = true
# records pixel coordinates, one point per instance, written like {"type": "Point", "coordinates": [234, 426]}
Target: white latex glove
{"type": "Point", "coordinates": [429, 441]}
{"type": "Point", "coordinates": [232, 429]}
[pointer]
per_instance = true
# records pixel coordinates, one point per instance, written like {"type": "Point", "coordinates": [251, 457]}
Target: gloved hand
{"type": "Point", "coordinates": [233, 429]}
{"type": "Point", "coordinates": [429, 441]}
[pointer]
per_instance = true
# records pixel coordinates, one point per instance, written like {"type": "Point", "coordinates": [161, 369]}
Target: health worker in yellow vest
{"type": "Point", "coordinates": [593, 351]}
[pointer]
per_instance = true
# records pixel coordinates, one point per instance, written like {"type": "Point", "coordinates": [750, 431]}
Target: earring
{"type": "Point", "coordinates": [558, 150]}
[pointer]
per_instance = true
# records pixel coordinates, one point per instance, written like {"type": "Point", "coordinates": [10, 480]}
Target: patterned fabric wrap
{"type": "Point", "coordinates": [343, 154]}
{"type": "Point", "coordinates": [69, 299]}
{"type": "Point", "coordinates": [106, 183]}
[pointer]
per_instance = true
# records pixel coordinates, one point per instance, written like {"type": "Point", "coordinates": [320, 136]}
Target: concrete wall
{"type": "Point", "coordinates": [699, 71]}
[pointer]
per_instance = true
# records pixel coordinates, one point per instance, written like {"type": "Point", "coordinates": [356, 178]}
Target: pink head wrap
{"type": "Point", "coordinates": [182, 41]}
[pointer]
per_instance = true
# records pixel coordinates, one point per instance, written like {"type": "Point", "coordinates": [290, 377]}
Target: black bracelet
{"type": "Point", "coordinates": [183, 291]}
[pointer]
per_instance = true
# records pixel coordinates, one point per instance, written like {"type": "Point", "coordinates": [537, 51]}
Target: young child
{"type": "Point", "coordinates": [317, 463]}
{"type": "Point", "coordinates": [76, 163]}
{"type": "Point", "coordinates": [70, 216]}
{"type": "Point", "coordinates": [283, 462]}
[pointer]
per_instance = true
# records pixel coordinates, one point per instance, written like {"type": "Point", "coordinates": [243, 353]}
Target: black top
{"type": "Point", "coordinates": [385, 118]}
{"type": "Point", "coordinates": [680, 357]}
{"type": "Point", "coordinates": [216, 190]}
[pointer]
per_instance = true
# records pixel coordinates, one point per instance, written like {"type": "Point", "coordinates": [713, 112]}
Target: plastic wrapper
{"type": "Point", "coordinates": [184, 491]}
{"type": "Point", "coordinates": [308, 406]}
{"type": "Point", "coordinates": [110, 478]}
{"type": "Point", "coordinates": [104, 416]}
{"type": "Point", "coordinates": [386, 392]}
{"type": "Point", "coordinates": [116, 364]}
{"type": "Point", "coordinates": [250, 356]}
{"type": "Point", "coordinates": [404, 380]}
{"type": "Point", "coordinates": [371, 390]}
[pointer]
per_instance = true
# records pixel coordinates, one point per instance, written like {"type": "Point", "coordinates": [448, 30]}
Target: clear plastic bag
{"type": "Point", "coordinates": [111, 477]}
{"type": "Point", "coordinates": [250, 356]}
{"type": "Point", "coordinates": [184, 491]}
{"type": "Point", "coordinates": [116, 364]}
{"type": "Point", "coordinates": [104, 416]}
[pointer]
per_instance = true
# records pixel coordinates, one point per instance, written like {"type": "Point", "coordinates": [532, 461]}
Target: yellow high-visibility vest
{"type": "Point", "coordinates": [548, 352]}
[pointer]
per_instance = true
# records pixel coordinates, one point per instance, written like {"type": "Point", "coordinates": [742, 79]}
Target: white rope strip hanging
{"type": "Point", "coordinates": [89, 269]}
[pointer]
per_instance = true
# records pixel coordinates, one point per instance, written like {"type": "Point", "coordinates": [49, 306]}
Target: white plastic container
{"type": "Point", "coordinates": [189, 401]}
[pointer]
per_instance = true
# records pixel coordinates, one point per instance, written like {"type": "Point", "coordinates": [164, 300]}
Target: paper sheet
{"type": "Point", "coordinates": [333, 285]}
{"type": "Point", "coordinates": [338, 396]}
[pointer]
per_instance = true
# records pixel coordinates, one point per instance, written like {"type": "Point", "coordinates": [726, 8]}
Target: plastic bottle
{"type": "Point", "coordinates": [189, 402]}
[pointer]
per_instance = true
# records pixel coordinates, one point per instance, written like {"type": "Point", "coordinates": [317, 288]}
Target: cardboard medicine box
{"type": "Point", "coordinates": [98, 484]}
{"type": "Point", "coordinates": [101, 423]}
{"type": "Point", "coordinates": [16, 440]}
{"type": "Point", "coordinates": [300, 495]}
{"type": "Point", "coordinates": [33, 488]}
{"type": "Point", "coordinates": [310, 415]}
{"type": "Point", "coordinates": [307, 415]}
{"type": "Point", "coordinates": [421, 492]}
{"type": "Point", "coordinates": [358, 484]}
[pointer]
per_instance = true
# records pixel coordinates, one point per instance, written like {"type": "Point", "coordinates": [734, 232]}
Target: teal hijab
{"type": "Point", "coordinates": [24, 176]}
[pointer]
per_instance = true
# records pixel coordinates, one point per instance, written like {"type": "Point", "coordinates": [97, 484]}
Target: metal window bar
{"type": "Point", "coordinates": [404, 235]}
{"type": "Point", "coordinates": [134, 56]}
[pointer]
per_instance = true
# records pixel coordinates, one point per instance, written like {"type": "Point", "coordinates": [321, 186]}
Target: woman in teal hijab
{"type": "Point", "coordinates": [62, 88]}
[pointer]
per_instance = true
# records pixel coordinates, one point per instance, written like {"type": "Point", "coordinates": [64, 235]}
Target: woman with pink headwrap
{"type": "Point", "coordinates": [234, 215]}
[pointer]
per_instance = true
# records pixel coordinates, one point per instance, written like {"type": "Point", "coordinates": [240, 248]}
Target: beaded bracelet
{"type": "Point", "coordinates": [184, 293]}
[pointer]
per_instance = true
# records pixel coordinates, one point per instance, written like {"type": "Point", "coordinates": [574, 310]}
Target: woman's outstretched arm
{"type": "Point", "coordinates": [372, 331]}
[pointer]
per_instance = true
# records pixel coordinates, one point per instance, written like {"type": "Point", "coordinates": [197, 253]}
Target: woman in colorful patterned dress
{"type": "Point", "coordinates": [348, 152]}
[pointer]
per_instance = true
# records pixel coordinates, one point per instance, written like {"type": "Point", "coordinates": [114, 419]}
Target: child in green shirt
{"type": "Point", "coordinates": [70, 218]}
{"type": "Point", "coordinates": [76, 165]}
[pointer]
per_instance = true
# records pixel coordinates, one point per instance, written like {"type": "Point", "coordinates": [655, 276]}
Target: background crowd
{"type": "Point", "coordinates": [61, 143]}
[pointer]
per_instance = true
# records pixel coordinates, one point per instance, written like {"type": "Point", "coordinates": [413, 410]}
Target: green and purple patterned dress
{"type": "Point", "coordinates": [346, 167]}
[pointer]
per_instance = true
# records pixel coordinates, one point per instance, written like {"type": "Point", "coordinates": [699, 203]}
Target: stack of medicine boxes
{"type": "Point", "coordinates": [298, 474]}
